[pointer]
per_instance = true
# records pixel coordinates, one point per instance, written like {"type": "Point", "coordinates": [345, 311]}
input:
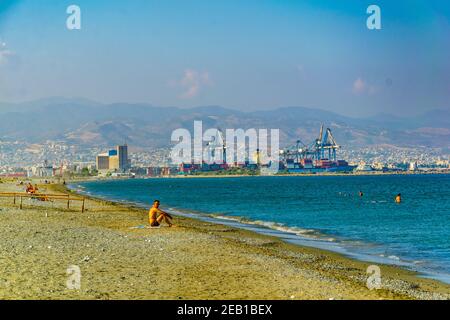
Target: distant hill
{"type": "Point", "coordinates": [89, 123]}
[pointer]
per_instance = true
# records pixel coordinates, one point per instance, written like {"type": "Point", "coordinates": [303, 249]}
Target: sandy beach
{"type": "Point", "coordinates": [120, 259]}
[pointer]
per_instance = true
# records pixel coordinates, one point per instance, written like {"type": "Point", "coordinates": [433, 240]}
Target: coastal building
{"type": "Point", "coordinates": [413, 166]}
{"type": "Point", "coordinates": [153, 171]}
{"type": "Point", "coordinates": [113, 161]}
{"type": "Point", "coordinates": [166, 171]}
{"type": "Point", "coordinates": [14, 174]}
{"type": "Point", "coordinates": [122, 154]}
{"type": "Point", "coordinates": [102, 162]}
{"type": "Point", "coordinates": [41, 171]}
{"type": "Point", "coordinates": [378, 166]}
{"type": "Point", "coordinates": [364, 167]}
{"type": "Point", "coordinates": [79, 166]}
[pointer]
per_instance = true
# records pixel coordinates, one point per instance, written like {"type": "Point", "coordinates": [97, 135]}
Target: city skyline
{"type": "Point", "coordinates": [266, 55]}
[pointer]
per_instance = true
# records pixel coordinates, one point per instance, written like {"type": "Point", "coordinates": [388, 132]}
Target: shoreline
{"type": "Point", "coordinates": [284, 236]}
{"type": "Point", "coordinates": [200, 176]}
{"type": "Point", "coordinates": [195, 260]}
{"type": "Point", "coordinates": [329, 174]}
{"type": "Point", "coordinates": [290, 235]}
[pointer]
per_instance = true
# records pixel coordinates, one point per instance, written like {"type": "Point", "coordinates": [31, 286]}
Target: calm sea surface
{"type": "Point", "coordinates": [321, 210]}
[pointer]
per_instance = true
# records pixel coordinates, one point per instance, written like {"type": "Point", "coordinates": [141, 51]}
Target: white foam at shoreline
{"type": "Point", "coordinates": [307, 233]}
{"type": "Point", "coordinates": [304, 237]}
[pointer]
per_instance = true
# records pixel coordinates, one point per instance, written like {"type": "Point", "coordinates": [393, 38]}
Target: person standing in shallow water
{"type": "Point", "coordinates": [156, 215]}
{"type": "Point", "coordinates": [398, 198]}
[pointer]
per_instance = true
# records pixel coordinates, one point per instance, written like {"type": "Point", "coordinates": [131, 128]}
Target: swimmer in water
{"type": "Point", "coordinates": [398, 198]}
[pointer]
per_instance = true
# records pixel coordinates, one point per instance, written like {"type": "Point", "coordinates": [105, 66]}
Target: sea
{"type": "Point", "coordinates": [325, 212]}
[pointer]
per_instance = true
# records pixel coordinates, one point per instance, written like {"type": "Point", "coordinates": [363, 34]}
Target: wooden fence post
{"type": "Point", "coordinates": [43, 197]}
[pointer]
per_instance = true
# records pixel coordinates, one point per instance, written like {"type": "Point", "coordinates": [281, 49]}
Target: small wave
{"type": "Point", "coordinates": [306, 233]}
{"type": "Point", "coordinates": [392, 257]}
{"type": "Point", "coordinates": [356, 249]}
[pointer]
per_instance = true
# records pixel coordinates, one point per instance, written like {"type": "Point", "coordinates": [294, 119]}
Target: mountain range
{"type": "Point", "coordinates": [88, 123]}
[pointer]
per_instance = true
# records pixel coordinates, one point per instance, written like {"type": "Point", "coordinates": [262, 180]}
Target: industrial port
{"type": "Point", "coordinates": [319, 156]}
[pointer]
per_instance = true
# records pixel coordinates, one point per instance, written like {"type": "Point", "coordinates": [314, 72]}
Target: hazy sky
{"type": "Point", "coordinates": [243, 54]}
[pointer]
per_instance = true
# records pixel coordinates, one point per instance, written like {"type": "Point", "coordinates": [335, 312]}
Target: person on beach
{"type": "Point", "coordinates": [398, 198]}
{"type": "Point", "coordinates": [30, 189]}
{"type": "Point", "coordinates": [156, 215]}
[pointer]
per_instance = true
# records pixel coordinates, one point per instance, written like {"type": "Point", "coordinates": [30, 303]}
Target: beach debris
{"type": "Point", "coordinates": [86, 259]}
{"type": "Point", "coordinates": [138, 227]}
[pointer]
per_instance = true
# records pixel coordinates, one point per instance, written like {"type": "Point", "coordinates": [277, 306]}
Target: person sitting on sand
{"type": "Point", "coordinates": [398, 198]}
{"type": "Point", "coordinates": [30, 189]}
{"type": "Point", "coordinates": [156, 215]}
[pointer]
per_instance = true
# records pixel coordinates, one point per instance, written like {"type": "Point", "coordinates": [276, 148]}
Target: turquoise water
{"type": "Point", "coordinates": [322, 209]}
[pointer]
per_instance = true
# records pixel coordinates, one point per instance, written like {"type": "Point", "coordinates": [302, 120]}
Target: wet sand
{"type": "Point", "coordinates": [194, 260]}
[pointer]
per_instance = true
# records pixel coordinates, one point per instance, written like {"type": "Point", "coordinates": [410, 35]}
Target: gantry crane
{"type": "Point", "coordinates": [325, 145]}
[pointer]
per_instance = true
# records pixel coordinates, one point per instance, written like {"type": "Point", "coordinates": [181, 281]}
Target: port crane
{"type": "Point", "coordinates": [326, 144]}
{"type": "Point", "coordinates": [324, 147]}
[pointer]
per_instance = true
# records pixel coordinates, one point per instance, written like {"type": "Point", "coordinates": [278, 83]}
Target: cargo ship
{"type": "Point", "coordinates": [320, 156]}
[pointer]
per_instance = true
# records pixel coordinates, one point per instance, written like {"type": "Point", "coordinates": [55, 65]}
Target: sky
{"type": "Point", "coordinates": [244, 54]}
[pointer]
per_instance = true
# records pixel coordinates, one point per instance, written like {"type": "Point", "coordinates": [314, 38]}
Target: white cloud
{"type": "Point", "coordinates": [193, 82]}
{"type": "Point", "coordinates": [360, 86]}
